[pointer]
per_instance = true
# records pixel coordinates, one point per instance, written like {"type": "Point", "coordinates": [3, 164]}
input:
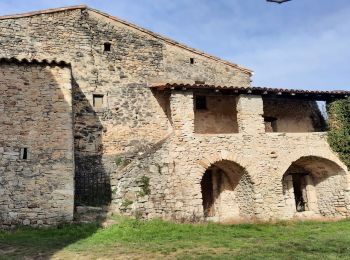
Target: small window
{"type": "Point", "coordinates": [270, 124]}
{"type": "Point", "coordinates": [199, 82]}
{"type": "Point", "coordinates": [98, 101]}
{"type": "Point", "coordinates": [24, 154]}
{"type": "Point", "coordinates": [107, 46]}
{"type": "Point", "coordinates": [192, 60]}
{"type": "Point", "coordinates": [201, 103]}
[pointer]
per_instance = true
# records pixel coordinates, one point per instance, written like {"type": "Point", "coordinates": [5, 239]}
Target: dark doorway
{"type": "Point", "coordinates": [299, 186]}
{"type": "Point", "coordinates": [208, 194]}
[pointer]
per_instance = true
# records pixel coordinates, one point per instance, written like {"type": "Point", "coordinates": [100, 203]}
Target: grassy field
{"type": "Point", "coordinates": [134, 239]}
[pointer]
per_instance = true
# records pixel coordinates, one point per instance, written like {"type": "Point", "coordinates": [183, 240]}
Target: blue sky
{"type": "Point", "coordinates": [299, 44]}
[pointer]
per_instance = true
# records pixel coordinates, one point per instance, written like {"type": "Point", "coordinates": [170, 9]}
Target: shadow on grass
{"type": "Point", "coordinates": [31, 243]}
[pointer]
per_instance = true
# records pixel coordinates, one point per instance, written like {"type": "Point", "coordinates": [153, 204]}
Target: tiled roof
{"type": "Point", "coordinates": [35, 61]}
{"type": "Point", "coordinates": [313, 94]}
{"type": "Point", "coordinates": [158, 36]}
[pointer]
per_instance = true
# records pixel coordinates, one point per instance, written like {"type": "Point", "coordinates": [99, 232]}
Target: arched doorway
{"type": "Point", "coordinates": [315, 186]}
{"type": "Point", "coordinates": [227, 192]}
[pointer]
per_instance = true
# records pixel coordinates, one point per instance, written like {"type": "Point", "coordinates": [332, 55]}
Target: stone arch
{"type": "Point", "coordinates": [322, 154]}
{"type": "Point", "coordinates": [315, 186]}
{"type": "Point", "coordinates": [209, 159]}
{"type": "Point", "coordinates": [227, 192]}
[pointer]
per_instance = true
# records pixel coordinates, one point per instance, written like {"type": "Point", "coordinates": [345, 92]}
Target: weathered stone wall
{"type": "Point", "coordinates": [331, 202]}
{"type": "Point", "coordinates": [36, 113]}
{"type": "Point", "coordinates": [133, 118]}
{"type": "Point", "coordinates": [178, 68]}
{"type": "Point", "coordinates": [136, 57]}
{"type": "Point", "coordinates": [265, 157]}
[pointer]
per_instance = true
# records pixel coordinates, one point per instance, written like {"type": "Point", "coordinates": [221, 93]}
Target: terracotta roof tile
{"type": "Point", "coordinates": [322, 94]}
{"type": "Point", "coordinates": [35, 61]}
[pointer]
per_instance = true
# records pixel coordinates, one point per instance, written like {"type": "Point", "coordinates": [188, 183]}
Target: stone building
{"type": "Point", "coordinates": [97, 111]}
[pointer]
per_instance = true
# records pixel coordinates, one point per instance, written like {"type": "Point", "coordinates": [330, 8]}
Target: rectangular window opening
{"type": "Point", "coordinates": [199, 82]}
{"type": "Point", "coordinates": [98, 100]}
{"type": "Point", "coordinates": [107, 46]}
{"type": "Point", "coordinates": [24, 154]}
{"type": "Point", "coordinates": [192, 60]}
{"type": "Point", "coordinates": [294, 115]}
{"type": "Point", "coordinates": [215, 113]}
{"type": "Point", "coordinates": [270, 124]}
{"type": "Point", "coordinates": [201, 102]}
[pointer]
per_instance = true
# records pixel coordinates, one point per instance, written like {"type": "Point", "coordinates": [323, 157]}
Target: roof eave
{"type": "Point", "coordinates": [271, 92]}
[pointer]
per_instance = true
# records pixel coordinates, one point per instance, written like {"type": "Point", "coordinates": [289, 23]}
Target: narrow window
{"type": "Point", "coordinates": [24, 153]}
{"type": "Point", "coordinates": [201, 103]}
{"type": "Point", "coordinates": [270, 124]}
{"type": "Point", "coordinates": [107, 46]}
{"type": "Point", "coordinates": [192, 60]}
{"type": "Point", "coordinates": [199, 82]}
{"type": "Point", "coordinates": [98, 100]}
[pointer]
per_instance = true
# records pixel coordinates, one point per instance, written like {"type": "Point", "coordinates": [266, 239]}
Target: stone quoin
{"type": "Point", "coordinates": [97, 111]}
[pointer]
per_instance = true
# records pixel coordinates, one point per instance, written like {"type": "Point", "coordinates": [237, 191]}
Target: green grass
{"type": "Point", "coordinates": [158, 239]}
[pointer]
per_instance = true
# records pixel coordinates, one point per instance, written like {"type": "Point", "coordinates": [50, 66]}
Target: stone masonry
{"type": "Point", "coordinates": [36, 185]}
{"type": "Point", "coordinates": [86, 95]}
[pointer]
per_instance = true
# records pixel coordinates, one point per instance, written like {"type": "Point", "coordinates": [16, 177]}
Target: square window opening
{"type": "Point", "coordinates": [270, 124]}
{"type": "Point", "coordinates": [201, 103]}
{"type": "Point", "coordinates": [107, 46]}
{"type": "Point", "coordinates": [98, 101]}
{"type": "Point", "coordinates": [215, 114]}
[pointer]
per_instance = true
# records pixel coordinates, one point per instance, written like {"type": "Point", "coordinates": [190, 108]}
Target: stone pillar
{"type": "Point", "coordinates": [182, 112]}
{"type": "Point", "coordinates": [289, 195]}
{"type": "Point", "coordinates": [250, 114]}
{"type": "Point", "coordinates": [216, 193]}
{"type": "Point", "coordinates": [311, 195]}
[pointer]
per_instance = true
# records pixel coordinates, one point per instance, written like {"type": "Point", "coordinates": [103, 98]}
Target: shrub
{"type": "Point", "coordinates": [122, 162]}
{"type": "Point", "coordinates": [339, 128]}
{"type": "Point", "coordinates": [144, 185]}
{"type": "Point", "coordinates": [126, 203]}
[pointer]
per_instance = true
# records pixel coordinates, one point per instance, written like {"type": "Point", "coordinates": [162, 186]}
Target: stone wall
{"type": "Point", "coordinates": [265, 157]}
{"type": "Point", "coordinates": [36, 186]}
{"type": "Point", "coordinates": [133, 118]}
{"type": "Point", "coordinates": [178, 68]}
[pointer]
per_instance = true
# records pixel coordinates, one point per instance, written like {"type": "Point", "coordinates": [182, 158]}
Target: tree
{"type": "Point", "coordinates": [339, 128]}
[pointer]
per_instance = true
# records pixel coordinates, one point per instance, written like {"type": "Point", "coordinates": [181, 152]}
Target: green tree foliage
{"type": "Point", "coordinates": [339, 128]}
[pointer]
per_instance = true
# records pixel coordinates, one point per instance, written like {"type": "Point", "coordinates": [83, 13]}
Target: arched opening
{"type": "Point", "coordinates": [227, 192]}
{"type": "Point", "coordinates": [315, 186]}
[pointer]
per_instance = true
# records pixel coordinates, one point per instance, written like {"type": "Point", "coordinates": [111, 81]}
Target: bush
{"type": "Point", "coordinates": [339, 128]}
{"type": "Point", "coordinates": [126, 203]}
{"type": "Point", "coordinates": [144, 185]}
{"type": "Point", "coordinates": [121, 162]}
